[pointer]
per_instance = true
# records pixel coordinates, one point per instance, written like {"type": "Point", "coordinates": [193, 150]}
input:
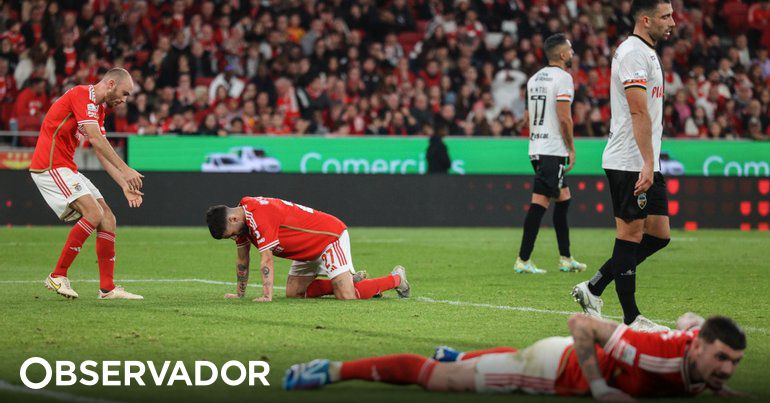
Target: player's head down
{"type": "Point", "coordinates": [558, 49]}
{"type": "Point", "coordinates": [119, 85]}
{"type": "Point", "coordinates": [224, 222]}
{"type": "Point", "coordinates": [718, 350]}
{"type": "Point", "coordinates": [654, 17]}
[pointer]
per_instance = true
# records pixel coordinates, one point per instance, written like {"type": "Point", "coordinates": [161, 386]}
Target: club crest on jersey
{"type": "Point", "coordinates": [641, 200]}
{"type": "Point", "coordinates": [77, 186]}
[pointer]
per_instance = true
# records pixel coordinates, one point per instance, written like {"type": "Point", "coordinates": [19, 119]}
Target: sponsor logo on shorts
{"type": "Point", "coordinates": [628, 354]}
{"type": "Point", "coordinates": [641, 200]}
{"type": "Point", "coordinates": [629, 272]}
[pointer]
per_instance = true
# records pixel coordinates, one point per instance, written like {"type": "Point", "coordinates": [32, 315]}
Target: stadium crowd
{"type": "Point", "coordinates": [357, 67]}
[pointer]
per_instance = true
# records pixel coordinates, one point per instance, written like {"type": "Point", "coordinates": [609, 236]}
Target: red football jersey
{"type": "Point", "coordinates": [60, 134]}
{"type": "Point", "coordinates": [291, 230]}
{"type": "Point", "coordinates": [639, 364]}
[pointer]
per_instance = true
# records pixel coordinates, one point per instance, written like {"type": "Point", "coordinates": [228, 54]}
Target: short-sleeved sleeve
{"type": "Point", "coordinates": [264, 228]}
{"type": "Point", "coordinates": [633, 71]}
{"type": "Point", "coordinates": [242, 241]}
{"type": "Point", "coordinates": [565, 89]}
{"type": "Point", "coordinates": [656, 352]}
{"type": "Point", "coordinates": [84, 109]}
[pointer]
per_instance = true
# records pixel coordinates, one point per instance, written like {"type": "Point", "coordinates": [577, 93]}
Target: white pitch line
{"type": "Point", "coordinates": [553, 312]}
{"type": "Point", "coordinates": [67, 397]}
{"type": "Point", "coordinates": [150, 280]}
{"type": "Point", "coordinates": [421, 299]}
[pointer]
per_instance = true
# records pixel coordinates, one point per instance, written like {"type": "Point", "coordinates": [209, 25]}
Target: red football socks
{"type": "Point", "coordinates": [319, 288]}
{"type": "Point", "coordinates": [399, 369]}
{"type": "Point", "coordinates": [105, 255]}
{"type": "Point", "coordinates": [368, 288]}
{"type": "Point", "coordinates": [365, 289]}
{"type": "Point", "coordinates": [78, 235]}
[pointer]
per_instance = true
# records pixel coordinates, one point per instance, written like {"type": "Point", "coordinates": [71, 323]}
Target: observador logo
{"type": "Point", "coordinates": [143, 373]}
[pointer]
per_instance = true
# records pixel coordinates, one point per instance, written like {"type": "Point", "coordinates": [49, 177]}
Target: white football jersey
{"type": "Point", "coordinates": [547, 87]}
{"type": "Point", "coordinates": [635, 64]}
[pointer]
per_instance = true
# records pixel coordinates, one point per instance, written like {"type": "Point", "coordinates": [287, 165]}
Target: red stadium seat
{"type": "Point", "coordinates": [408, 40]}
{"type": "Point", "coordinates": [203, 81]}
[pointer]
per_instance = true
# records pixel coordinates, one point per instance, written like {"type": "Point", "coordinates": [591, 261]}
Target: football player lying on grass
{"type": "Point", "coordinates": [604, 359]}
{"type": "Point", "coordinates": [318, 243]}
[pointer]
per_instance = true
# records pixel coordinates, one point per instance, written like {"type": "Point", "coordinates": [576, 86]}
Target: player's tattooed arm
{"type": "Point", "coordinates": [268, 275]}
{"type": "Point", "coordinates": [587, 333]}
{"type": "Point", "coordinates": [241, 272]}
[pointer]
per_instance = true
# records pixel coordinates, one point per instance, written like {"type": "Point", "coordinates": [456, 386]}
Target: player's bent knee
{"type": "Point", "coordinates": [94, 217]}
{"type": "Point", "coordinates": [109, 221]}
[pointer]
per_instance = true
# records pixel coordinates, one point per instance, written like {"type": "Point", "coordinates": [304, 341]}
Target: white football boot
{"type": "Point", "coordinates": [528, 266]}
{"type": "Point", "coordinates": [403, 289]}
{"type": "Point", "coordinates": [590, 303]}
{"type": "Point", "coordinates": [118, 293]}
{"type": "Point", "coordinates": [568, 264]}
{"type": "Point", "coordinates": [642, 324]}
{"type": "Point", "coordinates": [60, 285]}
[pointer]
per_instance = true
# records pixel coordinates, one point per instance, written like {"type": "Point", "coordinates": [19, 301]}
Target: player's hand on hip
{"type": "Point", "coordinates": [263, 299]}
{"type": "Point", "coordinates": [645, 180]}
{"type": "Point", "coordinates": [133, 178]}
{"type": "Point", "coordinates": [233, 296]}
{"type": "Point", "coordinates": [134, 197]}
{"type": "Point", "coordinates": [571, 161]}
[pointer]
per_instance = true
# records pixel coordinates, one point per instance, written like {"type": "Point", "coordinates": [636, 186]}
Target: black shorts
{"type": "Point", "coordinates": [549, 174]}
{"type": "Point", "coordinates": [626, 206]}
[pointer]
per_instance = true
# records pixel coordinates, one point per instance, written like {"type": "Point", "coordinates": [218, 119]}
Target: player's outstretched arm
{"type": "Point", "coordinates": [104, 149]}
{"type": "Point", "coordinates": [266, 268]}
{"type": "Point", "coordinates": [728, 392]}
{"type": "Point", "coordinates": [134, 197]}
{"type": "Point", "coordinates": [241, 271]}
{"type": "Point", "coordinates": [588, 332]}
{"type": "Point", "coordinates": [642, 127]}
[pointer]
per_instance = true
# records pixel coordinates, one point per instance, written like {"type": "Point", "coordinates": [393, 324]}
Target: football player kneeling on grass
{"type": "Point", "coordinates": [605, 359]}
{"type": "Point", "coordinates": [318, 243]}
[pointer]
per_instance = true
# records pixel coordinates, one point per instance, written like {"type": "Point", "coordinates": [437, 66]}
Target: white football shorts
{"type": "Point", "coordinates": [334, 260]}
{"type": "Point", "coordinates": [60, 187]}
{"type": "Point", "coordinates": [532, 370]}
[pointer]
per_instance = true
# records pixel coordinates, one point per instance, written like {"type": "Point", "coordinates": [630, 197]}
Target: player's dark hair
{"type": "Point", "coordinates": [216, 218]}
{"type": "Point", "coordinates": [725, 330]}
{"type": "Point", "coordinates": [645, 6]}
{"type": "Point", "coordinates": [552, 44]}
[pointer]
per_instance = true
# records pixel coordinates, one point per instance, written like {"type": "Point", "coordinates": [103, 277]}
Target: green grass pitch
{"type": "Point", "coordinates": [708, 272]}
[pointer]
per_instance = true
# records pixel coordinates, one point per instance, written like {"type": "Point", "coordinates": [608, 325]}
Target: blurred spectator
{"type": "Point", "coordinates": [437, 154]}
{"type": "Point", "coordinates": [227, 79]}
{"type": "Point", "coordinates": [210, 127]}
{"type": "Point", "coordinates": [381, 67]}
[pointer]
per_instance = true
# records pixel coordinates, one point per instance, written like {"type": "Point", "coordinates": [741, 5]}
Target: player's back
{"type": "Point", "coordinates": [295, 231]}
{"type": "Point", "coordinates": [640, 364]}
{"type": "Point", "coordinates": [635, 64]}
{"type": "Point", "coordinates": [59, 135]}
{"type": "Point", "coordinates": [548, 86]}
